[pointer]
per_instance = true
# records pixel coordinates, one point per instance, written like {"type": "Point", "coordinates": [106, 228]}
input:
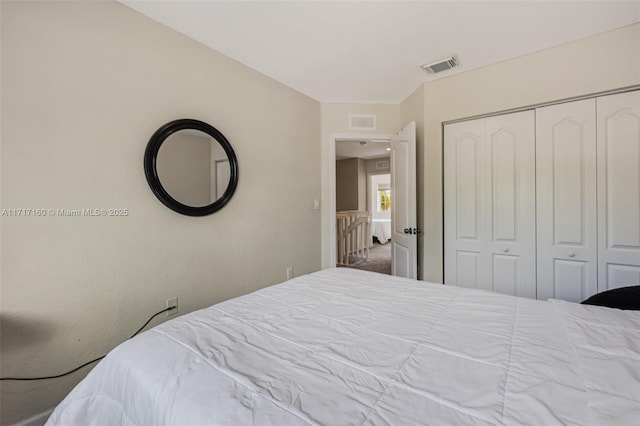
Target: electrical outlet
{"type": "Point", "coordinates": [289, 272]}
{"type": "Point", "coordinates": [172, 302]}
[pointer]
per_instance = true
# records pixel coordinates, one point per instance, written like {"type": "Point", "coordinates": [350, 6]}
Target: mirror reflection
{"type": "Point", "coordinates": [193, 167]}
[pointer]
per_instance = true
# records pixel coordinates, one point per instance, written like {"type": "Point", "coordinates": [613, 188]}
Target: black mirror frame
{"type": "Point", "coordinates": [151, 172]}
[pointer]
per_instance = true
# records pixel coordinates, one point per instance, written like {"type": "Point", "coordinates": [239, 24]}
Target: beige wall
{"type": "Point", "coordinates": [84, 86]}
{"type": "Point", "coordinates": [351, 184]}
{"type": "Point", "coordinates": [362, 185]}
{"type": "Point", "coordinates": [347, 184]}
{"type": "Point", "coordinates": [371, 165]}
{"type": "Point", "coordinates": [335, 118]}
{"type": "Point", "coordinates": [607, 61]}
{"type": "Point", "coordinates": [334, 122]}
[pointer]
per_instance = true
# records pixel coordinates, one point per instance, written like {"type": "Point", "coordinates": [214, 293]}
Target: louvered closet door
{"type": "Point", "coordinates": [618, 190]}
{"type": "Point", "coordinates": [490, 204]}
{"type": "Point", "coordinates": [566, 200]}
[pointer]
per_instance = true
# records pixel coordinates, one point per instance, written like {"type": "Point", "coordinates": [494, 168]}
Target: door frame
{"type": "Point", "coordinates": [332, 182]}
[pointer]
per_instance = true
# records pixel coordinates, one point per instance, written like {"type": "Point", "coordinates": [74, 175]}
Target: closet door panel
{"type": "Point", "coordinates": [618, 190]}
{"type": "Point", "coordinates": [464, 176]}
{"type": "Point", "coordinates": [574, 276]}
{"type": "Point", "coordinates": [510, 184]}
{"type": "Point", "coordinates": [506, 277]}
{"type": "Point", "coordinates": [468, 180]}
{"type": "Point", "coordinates": [490, 204]}
{"type": "Point", "coordinates": [621, 275]}
{"type": "Point", "coordinates": [467, 270]}
{"type": "Point", "coordinates": [566, 201]}
{"type": "Point", "coordinates": [568, 183]}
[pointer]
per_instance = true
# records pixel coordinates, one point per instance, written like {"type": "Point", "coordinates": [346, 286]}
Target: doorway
{"type": "Point", "coordinates": [404, 250]}
{"type": "Point", "coordinates": [363, 204]}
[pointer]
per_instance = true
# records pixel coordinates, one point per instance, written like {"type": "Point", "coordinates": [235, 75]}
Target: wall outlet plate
{"type": "Point", "coordinates": [289, 272]}
{"type": "Point", "coordinates": [172, 302]}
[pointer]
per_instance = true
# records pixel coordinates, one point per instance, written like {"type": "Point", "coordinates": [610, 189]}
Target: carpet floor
{"type": "Point", "coordinates": [379, 260]}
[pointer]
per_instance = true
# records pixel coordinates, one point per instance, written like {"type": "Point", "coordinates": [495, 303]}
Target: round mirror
{"type": "Point", "coordinates": [191, 167]}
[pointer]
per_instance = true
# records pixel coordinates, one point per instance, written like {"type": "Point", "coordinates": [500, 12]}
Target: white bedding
{"type": "Point", "coordinates": [381, 229]}
{"type": "Point", "coordinates": [347, 347]}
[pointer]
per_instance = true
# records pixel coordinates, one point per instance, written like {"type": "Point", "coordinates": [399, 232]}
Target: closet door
{"type": "Point", "coordinates": [511, 203]}
{"type": "Point", "coordinates": [618, 190]}
{"type": "Point", "coordinates": [490, 204]}
{"type": "Point", "coordinates": [566, 201]}
{"type": "Point", "coordinates": [465, 258]}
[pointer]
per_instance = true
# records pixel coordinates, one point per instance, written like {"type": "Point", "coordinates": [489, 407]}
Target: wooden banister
{"type": "Point", "coordinates": [354, 235]}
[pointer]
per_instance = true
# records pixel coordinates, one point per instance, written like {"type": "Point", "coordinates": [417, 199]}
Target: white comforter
{"type": "Point", "coordinates": [381, 229]}
{"type": "Point", "coordinates": [346, 347]}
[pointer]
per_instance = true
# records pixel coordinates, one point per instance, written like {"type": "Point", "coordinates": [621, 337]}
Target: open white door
{"type": "Point", "coordinates": [404, 234]}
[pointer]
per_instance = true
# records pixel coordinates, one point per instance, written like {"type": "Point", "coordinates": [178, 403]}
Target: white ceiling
{"type": "Point", "coordinates": [370, 51]}
{"type": "Point", "coordinates": [357, 149]}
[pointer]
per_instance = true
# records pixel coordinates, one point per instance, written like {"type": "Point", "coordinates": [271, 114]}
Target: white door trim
{"type": "Point", "coordinates": [331, 169]}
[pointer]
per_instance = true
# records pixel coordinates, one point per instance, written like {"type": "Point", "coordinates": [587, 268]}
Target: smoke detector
{"type": "Point", "coordinates": [439, 66]}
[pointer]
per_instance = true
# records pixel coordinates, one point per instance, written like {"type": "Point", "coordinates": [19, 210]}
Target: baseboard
{"type": "Point", "coordinates": [37, 420]}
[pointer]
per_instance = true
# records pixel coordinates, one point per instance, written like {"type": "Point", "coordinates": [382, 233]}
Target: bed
{"type": "Point", "coordinates": [349, 347]}
{"type": "Point", "coordinates": [381, 229]}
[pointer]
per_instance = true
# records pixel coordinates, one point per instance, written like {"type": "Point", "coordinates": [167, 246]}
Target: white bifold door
{"type": "Point", "coordinates": [566, 191]}
{"type": "Point", "coordinates": [618, 136]}
{"type": "Point", "coordinates": [489, 180]}
{"type": "Point", "coordinates": [545, 204]}
{"type": "Point", "coordinates": [588, 187]}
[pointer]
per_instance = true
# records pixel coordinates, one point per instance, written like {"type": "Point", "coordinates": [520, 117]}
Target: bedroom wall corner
{"type": "Point", "coordinates": [84, 86]}
{"type": "Point", "coordinates": [603, 62]}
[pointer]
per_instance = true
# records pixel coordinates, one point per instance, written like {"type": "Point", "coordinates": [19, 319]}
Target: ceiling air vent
{"type": "Point", "coordinates": [362, 122]}
{"type": "Point", "coordinates": [440, 66]}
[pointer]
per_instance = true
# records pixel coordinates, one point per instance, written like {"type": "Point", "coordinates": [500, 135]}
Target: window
{"type": "Point", "coordinates": [384, 197]}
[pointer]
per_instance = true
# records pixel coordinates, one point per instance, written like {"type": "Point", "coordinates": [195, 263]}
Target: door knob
{"type": "Point", "coordinates": [506, 250]}
{"type": "Point", "coordinates": [407, 230]}
{"type": "Point", "coordinates": [571, 254]}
